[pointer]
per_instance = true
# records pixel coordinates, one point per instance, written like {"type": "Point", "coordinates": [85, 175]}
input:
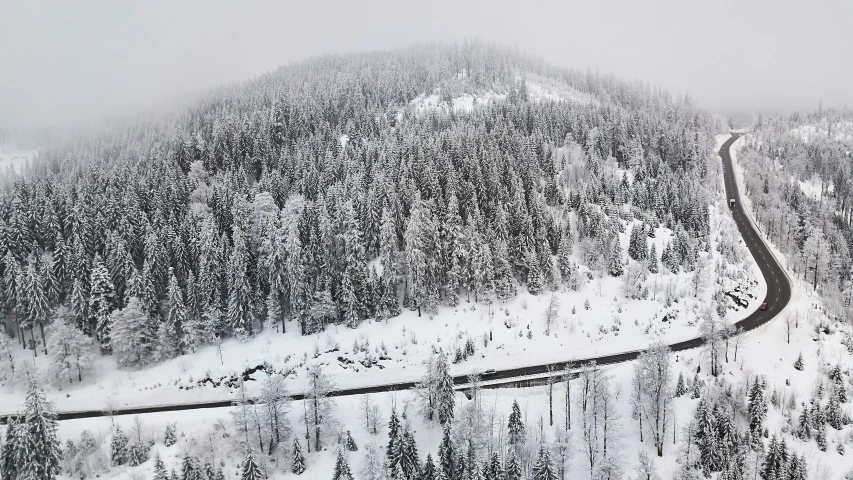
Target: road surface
{"type": "Point", "coordinates": [778, 295]}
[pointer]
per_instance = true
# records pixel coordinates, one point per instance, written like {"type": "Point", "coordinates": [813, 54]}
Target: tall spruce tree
{"type": "Point", "coordinates": [516, 427]}
{"type": "Point", "coordinates": [100, 304]}
{"type": "Point", "coordinates": [543, 469]}
{"type": "Point", "coordinates": [251, 471]}
{"type": "Point", "coordinates": [342, 470]}
{"type": "Point", "coordinates": [297, 463]}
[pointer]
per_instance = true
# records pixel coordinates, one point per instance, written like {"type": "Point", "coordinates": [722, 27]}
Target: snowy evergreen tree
{"type": "Point", "coordinates": [757, 407]}
{"type": "Point", "coordinates": [251, 471]}
{"type": "Point", "coordinates": [428, 472]}
{"type": "Point", "coordinates": [513, 468]}
{"type": "Point", "coordinates": [351, 446]}
{"type": "Point", "coordinates": [118, 447]}
{"type": "Point", "coordinates": [169, 437]}
{"type": "Point", "coordinates": [297, 463]}
{"type": "Point", "coordinates": [131, 343]}
{"type": "Point", "coordinates": [32, 448]}
{"type": "Point", "coordinates": [137, 454]}
{"type": "Point", "coordinates": [176, 318]}
{"type": "Point", "coordinates": [680, 387]}
{"type": "Point", "coordinates": [445, 394]}
{"type": "Point", "coordinates": [615, 269]}
{"type": "Point", "coordinates": [515, 428]}
{"type": "Point", "coordinates": [100, 304]}
{"type": "Point", "coordinates": [543, 468]}
{"type": "Point", "coordinates": [696, 391]}
{"type": "Point", "coordinates": [446, 454]}
{"type": "Point", "coordinates": [239, 312]}
{"type": "Point", "coordinates": [342, 471]}
{"type": "Point", "coordinates": [160, 469]}
{"type": "Point", "coordinates": [34, 299]}
{"type": "Point", "coordinates": [653, 261]}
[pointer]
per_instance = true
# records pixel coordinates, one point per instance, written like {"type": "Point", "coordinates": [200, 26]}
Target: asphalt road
{"type": "Point", "coordinates": [778, 295]}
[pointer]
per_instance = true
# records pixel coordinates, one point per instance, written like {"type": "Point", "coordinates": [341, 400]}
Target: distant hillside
{"type": "Point", "coordinates": [325, 192]}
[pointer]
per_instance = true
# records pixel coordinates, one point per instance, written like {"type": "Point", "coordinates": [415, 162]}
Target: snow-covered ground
{"type": "Point", "coordinates": [15, 161]}
{"type": "Point", "coordinates": [812, 187]}
{"type": "Point", "coordinates": [539, 89]}
{"type": "Point", "coordinates": [764, 351]}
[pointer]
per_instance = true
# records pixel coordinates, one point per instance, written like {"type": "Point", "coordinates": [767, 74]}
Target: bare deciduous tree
{"type": "Point", "coordinates": [653, 390]}
{"type": "Point", "coordinates": [552, 311]}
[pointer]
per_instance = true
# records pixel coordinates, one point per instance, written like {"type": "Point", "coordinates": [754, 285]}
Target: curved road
{"type": "Point", "coordinates": [778, 295]}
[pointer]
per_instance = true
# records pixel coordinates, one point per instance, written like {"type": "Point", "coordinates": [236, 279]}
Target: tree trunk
{"type": "Point", "coordinates": [568, 402]}
{"type": "Point", "coordinates": [33, 341]}
{"type": "Point", "coordinates": [19, 333]}
{"type": "Point", "coordinates": [307, 430]}
{"type": "Point", "coordinates": [814, 285]}
{"type": "Point", "coordinates": [316, 424]}
{"type": "Point", "coordinates": [43, 339]}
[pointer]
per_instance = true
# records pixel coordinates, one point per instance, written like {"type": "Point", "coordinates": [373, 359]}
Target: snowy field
{"type": "Point", "coordinates": [539, 89]}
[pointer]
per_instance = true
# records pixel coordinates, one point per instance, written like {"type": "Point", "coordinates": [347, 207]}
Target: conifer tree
{"type": "Point", "coordinates": [250, 468]}
{"type": "Point", "coordinates": [516, 426]}
{"type": "Point", "coordinates": [297, 464]}
{"type": "Point", "coordinates": [32, 448]}
{"type": "Point", "coordinates": [446, 454]}
{"type": "Point", "coordinates": [35, 299]}
{"type": "Point", "coordinates": [342, 471]}
{"type": "Point", "coordinates": [652, 260]}
{"type": "Point", "coordinates": [534, 274]}
{"type": "Point", "coordinates": [169, 437]}
{"type": "Point", "coordinates": [13, 452]}
{"type": "Point", "coordinates": [131, 343]}
{"type": "Point", "coordinates": [543, 468]}
{"type": "Point", "coordinates": [100, 303]}
{"type": "Point", "coordinates": [409, 455]}
{"type": "Point", "coordinates": [616, 269]}
{"type": "Point", "coordinates": [137, 454]}
{"type": "Point", "coordinates": [239, 287]}
{"type": "Point", "coordinates": [417, 277]}
{"type": "Point", "coordinates": [697, 387]}
{"type": "Point", "coordinates": [445, 394]}
{"type": "Point", "coordinates": [118, 447]}
{"type": "Point", "coordinates": [177, 316]}
{"type": "Point", "coordinates": [680, 387]}
{"type": "Point", "coordinates": [799, 363]}
{"type": "Point", "coordinates": [160, 469]}
{"type": "Point", "coordinates": [428, 472]}
{"type": "Point", "coordinates": [821, 438]}
{"type": "Point", "coordinates": [513, 467]}
{"type": "Point", "coordinates": [757, 407]}
{"type": "Point", "coordinates": [351, 446]}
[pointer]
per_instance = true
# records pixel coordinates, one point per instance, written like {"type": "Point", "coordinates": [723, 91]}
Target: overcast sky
{"type": "Point", "coordinates": [63, 61]}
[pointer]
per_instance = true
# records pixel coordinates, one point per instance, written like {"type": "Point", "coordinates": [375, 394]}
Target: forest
{"type": "Point", "coordinates": [316, 195]}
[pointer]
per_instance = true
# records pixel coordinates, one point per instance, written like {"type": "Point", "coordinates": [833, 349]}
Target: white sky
{"type": "Point", "coordinates": [62, 61]}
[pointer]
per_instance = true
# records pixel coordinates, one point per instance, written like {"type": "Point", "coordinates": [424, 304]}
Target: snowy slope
{"type": "Point", "coordinates": [766, 351]}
